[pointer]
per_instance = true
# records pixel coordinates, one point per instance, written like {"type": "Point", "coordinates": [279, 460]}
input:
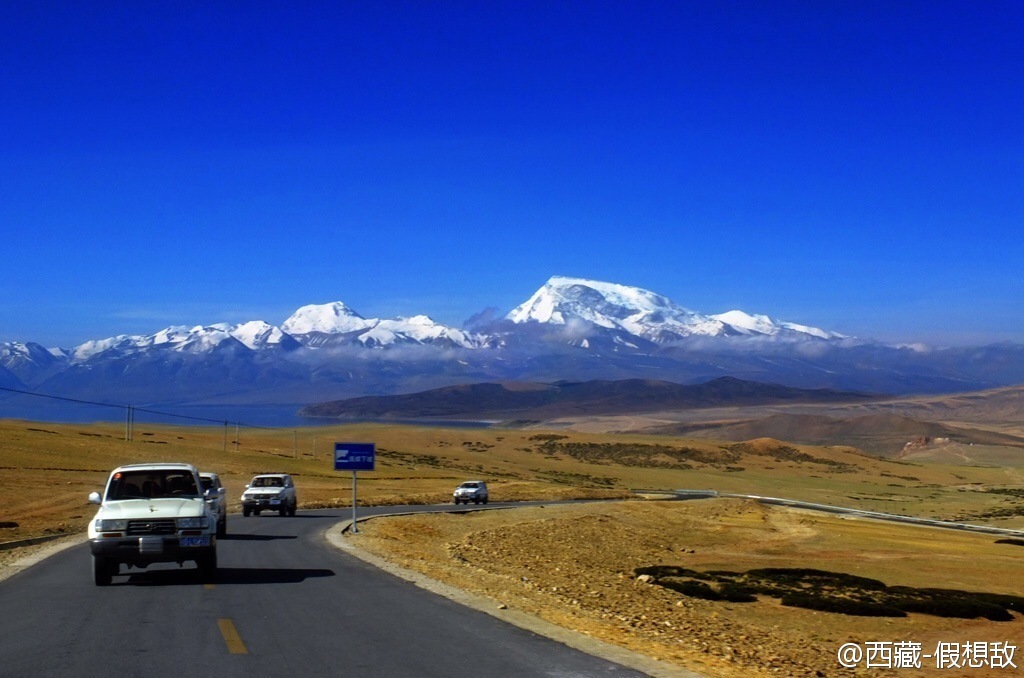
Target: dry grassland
{"type": "Point", "coordinates": [47, 470]}
{"type": "Point", "coordinates": [575, 565]}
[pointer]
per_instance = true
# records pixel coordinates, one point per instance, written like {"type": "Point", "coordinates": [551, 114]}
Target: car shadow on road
{"type": "Point", "coordinates": [263, 575]}
{"type": "Point", "coordinates": [225, 576]}
{"type": "Point", "coordinates": [275, 514]}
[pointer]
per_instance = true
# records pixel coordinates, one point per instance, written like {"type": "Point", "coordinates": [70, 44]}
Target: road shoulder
{"type": "Point", "coordinates": [583, 643]}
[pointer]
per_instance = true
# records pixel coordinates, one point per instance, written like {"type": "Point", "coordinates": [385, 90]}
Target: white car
{"type": "Point", "coordinates": [270, 492]}
{"type": "Point", "coordinates": [470, 491]}
{"type": "Point", "coordinates": [152, 513]}
{"type": "Point", "coordinates": [217, 497]}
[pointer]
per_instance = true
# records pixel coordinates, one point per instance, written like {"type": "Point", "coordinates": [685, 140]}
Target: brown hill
{"type": "Point", "coordinates": [519, 400]}
{"type": "Point", "coordinates": [881, 433]}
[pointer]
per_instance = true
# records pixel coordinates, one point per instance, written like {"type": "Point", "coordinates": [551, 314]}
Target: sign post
{"type": "Point", "coordinates": [354, 457]}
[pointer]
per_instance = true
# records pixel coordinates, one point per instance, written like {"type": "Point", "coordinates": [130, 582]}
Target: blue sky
{"type": "Point", "coordinates": [856, 166]}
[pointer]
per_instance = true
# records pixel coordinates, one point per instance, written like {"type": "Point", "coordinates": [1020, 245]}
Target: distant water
{"type": "Point", "coordinates": [271, 416]}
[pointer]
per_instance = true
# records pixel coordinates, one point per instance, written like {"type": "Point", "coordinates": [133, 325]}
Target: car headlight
{"type": "Point", "coordinates": [109, 525]}
{"type": "Point", "coordinates": [191, 523]}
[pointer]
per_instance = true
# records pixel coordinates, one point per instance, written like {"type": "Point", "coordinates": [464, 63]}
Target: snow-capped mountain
{"type": "Point", "coordinates": [333, 318]}
{"type": "Point", "coordinates": [28, 361]}
{"type": "Point", "coordinates": [744, 323]}
{"type": "Point", "coordinates": [570, 328]}
{"type": "Point", "coordinates": [641, 313]}
{"type": "Point", "coordinates": [335, 324]}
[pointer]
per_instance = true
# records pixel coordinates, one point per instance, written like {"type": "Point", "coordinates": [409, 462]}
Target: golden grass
{"type": "Point", "coordinates": [574, 566]}
{"type": "Point", "coordinates": [48, 469]}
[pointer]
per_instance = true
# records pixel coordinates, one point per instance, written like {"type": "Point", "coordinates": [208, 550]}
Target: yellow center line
{"type": "Point", "coordinates": [208, 587]}
{"type": "Point", "coordinates": [231, 637]}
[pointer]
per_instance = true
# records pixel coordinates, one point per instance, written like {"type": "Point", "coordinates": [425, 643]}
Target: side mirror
{"type": "Point", "coordinates": [94, 498]}
{"type": "Point", "coordinates": [207, 494]}
{"type": "Point", "coordinates": [247, 486]}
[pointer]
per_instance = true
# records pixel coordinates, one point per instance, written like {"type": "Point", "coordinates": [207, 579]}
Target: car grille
{"type": "Point", "coordinates": [144, 527]}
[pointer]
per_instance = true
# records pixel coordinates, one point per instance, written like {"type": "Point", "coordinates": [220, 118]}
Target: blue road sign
{"type": "Point", "coordinates": [354, 456]}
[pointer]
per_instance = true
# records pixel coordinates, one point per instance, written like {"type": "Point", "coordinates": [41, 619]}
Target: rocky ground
{"type": "Point", "coordinates": [575, 567]}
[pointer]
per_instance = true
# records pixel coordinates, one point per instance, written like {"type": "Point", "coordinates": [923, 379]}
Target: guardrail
{"type": "Point", "coordinates": [841, 510]}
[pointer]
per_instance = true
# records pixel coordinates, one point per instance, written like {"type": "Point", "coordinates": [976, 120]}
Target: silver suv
{"type": "Point", "coordinates": [270, 492]}
{"type": "Point", "coordinates": [470, 491]}
{"type": "Point", "coordinates": [152, 513]}
{"type": "Point", "coordinates": [217, 497]}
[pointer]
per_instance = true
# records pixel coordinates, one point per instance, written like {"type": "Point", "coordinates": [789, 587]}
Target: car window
{"type": "Point", "coordinates": [152, 484]}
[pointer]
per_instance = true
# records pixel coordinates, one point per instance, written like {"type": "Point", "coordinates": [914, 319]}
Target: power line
{"type": "Point", "coordinates": [141, 409]}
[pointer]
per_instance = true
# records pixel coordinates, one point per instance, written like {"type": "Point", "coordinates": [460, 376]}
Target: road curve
{"type": "Point", "coordinates": [285, 604]}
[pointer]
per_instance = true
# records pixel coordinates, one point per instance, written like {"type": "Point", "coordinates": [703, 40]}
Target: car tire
{"type": "Point", "coordinates": [485, 500]}
{"type": "Point", "coordinates": [294, 508]}
{"type": "Point", "coordinates": [256, 512]}
{"type": "Point", "coordinates": [245, 511]}
{"type": "Point", "coordinates": [222, 527]}
{"type": "Point", "coordinates": [208, 567]}
{"type": "Point", "coordinates": [283, 511]}
{"type": "Point", "coordinates": [102, 571]}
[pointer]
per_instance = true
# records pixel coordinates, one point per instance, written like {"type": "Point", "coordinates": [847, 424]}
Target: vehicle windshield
{"type": "Point", "coordinates": [469, 485]}
{"type": "Point", "coordinates": [152, 484]}
{"type": "Point", "coordinates": [206, 482]}
{"type": "Point", "coordinates": [267, 482]}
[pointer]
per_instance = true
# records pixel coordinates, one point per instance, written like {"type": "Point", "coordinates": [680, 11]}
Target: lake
{"type": "Point", "coordinates": [269, 416]}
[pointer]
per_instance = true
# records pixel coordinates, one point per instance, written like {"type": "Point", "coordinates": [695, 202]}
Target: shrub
{"type": "Point", "coordinates": [857, 608]}
{"type": "Point", "coordinates": [694, 589]}
{"type": "Point", "coordinates": [816, 578]}
{"type": "Point", "coordinates": [737, 593]}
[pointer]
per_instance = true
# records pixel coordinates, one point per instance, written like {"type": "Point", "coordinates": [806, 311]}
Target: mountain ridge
{"type": "Point", "coordinates": [570, 328]}
{"type": "Point", "coordinates": [548, 400]}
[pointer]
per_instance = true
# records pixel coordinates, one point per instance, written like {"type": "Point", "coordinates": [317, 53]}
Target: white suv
{"type": "Point", "coordinates": [217, 497]}
{"type": "Point", "coordinates": [270, 492]}
{"type": "Point", "coordinates": [152, 513]}
{"type": "Point", "coordinates": [470, 491]}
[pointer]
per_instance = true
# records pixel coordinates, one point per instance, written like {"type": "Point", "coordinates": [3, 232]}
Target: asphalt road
{"type": "Point", "coordinates": [285, 604]}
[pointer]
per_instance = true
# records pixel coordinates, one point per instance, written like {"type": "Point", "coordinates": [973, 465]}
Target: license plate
{"type": "Point", "coordinates": [195, 541]}
{"type": "Point", "coordinates": [275, 501]}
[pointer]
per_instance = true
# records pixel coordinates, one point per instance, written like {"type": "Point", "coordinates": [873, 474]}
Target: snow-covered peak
{"type": "Point", "coordinates": [813, 331]}
{"type": "Point", "coordinates": [121, 342]}
{"type": "Point", "coordinates": [642, 313]}
{"type": "Point", "coordinates": [16, 349]}
{"type": "Point", "coordinates": [333, 318]}
{"type": "Point", "coordinates": [632, 309]}
{"type": "Point", "coordinates": [563, 298]}
{"type": "Point", "coordinates": [746, 323]}
{"type": "Point", "coordinates": [421, 329]}
{"type": "Point", "coordinates": [257, 334]}
{"type": "Point", "coordinates": [175, 334]}
{"type": "Point", "coordinates": [176, 337]}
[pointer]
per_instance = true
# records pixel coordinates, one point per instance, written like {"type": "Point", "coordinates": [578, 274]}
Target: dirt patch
{"type": "Point", "coordinates": [577, 566]}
